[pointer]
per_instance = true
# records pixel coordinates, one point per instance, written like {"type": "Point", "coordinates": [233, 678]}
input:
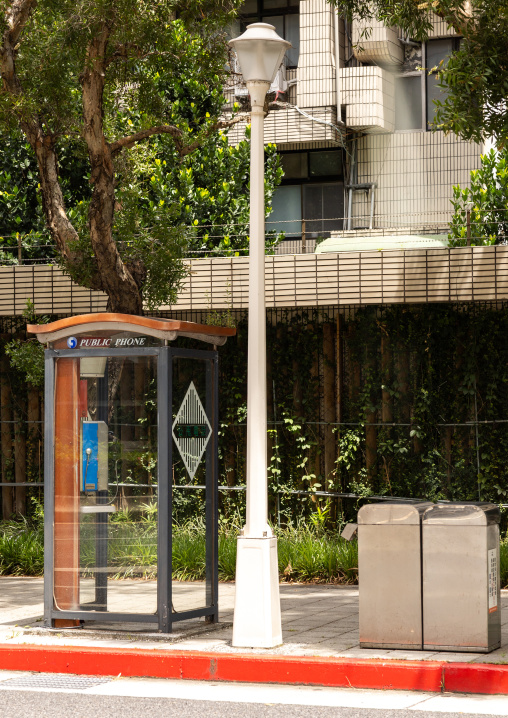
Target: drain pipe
{"type": "Point", "coordinates": [338, 94]}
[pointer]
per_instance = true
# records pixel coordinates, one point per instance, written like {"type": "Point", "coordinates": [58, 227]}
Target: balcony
{"type": "Point", "coordinates": [375, 43]}
{"type": "Point", "coordinates": [369, 95]}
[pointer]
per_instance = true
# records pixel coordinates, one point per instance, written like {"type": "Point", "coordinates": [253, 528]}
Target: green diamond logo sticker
{"type": "Point", "coordinates": [191, 430]}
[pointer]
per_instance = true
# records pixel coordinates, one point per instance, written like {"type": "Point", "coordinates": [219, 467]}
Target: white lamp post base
{"type": "Point", "coordinates": [257, 604]}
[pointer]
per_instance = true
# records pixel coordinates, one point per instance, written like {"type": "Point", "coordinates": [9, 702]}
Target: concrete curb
{"type": "Point", "coordinates": [431, 676]}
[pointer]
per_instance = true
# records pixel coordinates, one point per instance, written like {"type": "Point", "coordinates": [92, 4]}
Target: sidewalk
{"type": "Point", "coordinates": [320, 631]}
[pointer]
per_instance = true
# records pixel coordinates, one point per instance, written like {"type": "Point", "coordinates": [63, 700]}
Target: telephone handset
{"type": "Point", "coordinates": [94, 456]}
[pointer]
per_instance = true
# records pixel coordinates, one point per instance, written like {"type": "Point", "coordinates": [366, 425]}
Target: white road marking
{"type": "Point", "coordinates": [460, 703]}
{"type": "Point", "coordinates": [259, 693]}
{"type": "Point", "coordinates": [283, 695]}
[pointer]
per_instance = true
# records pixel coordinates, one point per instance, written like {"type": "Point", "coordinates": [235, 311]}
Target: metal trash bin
{"type": "Point", "coordinates": [461, 586]}
{"type": "Point", "coordinates": [389, 567]}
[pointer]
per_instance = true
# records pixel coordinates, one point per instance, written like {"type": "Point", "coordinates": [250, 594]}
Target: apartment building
{"type": "Point", "coordinates": [352, 114]}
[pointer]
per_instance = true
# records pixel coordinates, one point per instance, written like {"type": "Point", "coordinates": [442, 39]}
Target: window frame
{"type": "Point", "coordinates": [319, 179]}
{"type": "Point", "coordinates": [247, 18]}
{"type": "Point", "coordinates": [423, 75]}
{"type": "Point", "coordinates": [337, 180]}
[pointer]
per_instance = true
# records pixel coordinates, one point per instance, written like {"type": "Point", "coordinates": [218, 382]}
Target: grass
{"type": "Point", "coordinates": [21, 549]}
{"type": "Point", "coordinates": [305, 553]}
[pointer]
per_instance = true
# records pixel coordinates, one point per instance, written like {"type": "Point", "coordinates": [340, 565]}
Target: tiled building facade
{"type": "Point", "coordinates": [355, 108]}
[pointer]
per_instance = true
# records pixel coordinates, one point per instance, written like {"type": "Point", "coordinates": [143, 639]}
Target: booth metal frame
{"type": "Point", "coordinates": [165, 615]}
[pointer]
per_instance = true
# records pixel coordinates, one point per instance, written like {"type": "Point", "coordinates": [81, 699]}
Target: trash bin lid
{"type": "Point", "coordinates": [396, 512]}
{"type": "Point", "coordinates": [479, 513]}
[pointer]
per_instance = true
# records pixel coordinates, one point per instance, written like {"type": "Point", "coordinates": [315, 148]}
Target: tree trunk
{"type": "Point", "coordinates": [403, 381]}
{"type": "Point", "coordinates": [329, 402]}
{"type": "Point", "coordinates": [355, 371]}
{"type": "Point", "coordinates": [269, 405]}
{"type": "Point", "coordinates": [297, 387]}
{"type": "Point", "coordinates": [314, 465]}
{"type": "Point", "coordinates": [386, 377]}
{"type": "Point", "coordinates": [34, 434]}
{"type": "Point", "coordinates": [339, 370]}
{"type": "Point", "coordinates": [20, 457]}
{"type": "Point", "coordinates": [370, 428]}
{"type": "Point", "coordinates": [230, 463]}
{"type": "Point", "coordinates": [339, 400]}
{"type": "Point", "coordinates": [127, 433]}
{"type": "Point", "coordinates": [6, 443]}
{"type": "Point", "coordinates": [448, 440]}
{"type": "Point", "coordinates": [139, 398]}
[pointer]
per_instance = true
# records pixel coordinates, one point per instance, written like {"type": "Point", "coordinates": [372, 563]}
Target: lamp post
{"type": "Point", "coordinates": [257, 605]}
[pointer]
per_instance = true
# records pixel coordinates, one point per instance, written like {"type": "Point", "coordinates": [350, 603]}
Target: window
{"type": "Point", "coordinates": [408, 102]}
{"type": "Point", "coordinates": [283, 15]}
{"type": "Point", "coordinates": [416, 91]}
{"type": "Point", "coordinates": [286, 214]}
{"type": "Point", "coordinates": [323, 208]}
{"type": "Point", "coordinates": [310, 201]}
{"type": "Point", "coordinates": [438, 51]}
{"type": "Point", "coordinates": [313, 210]}
{"type": "Point", "coordinates": [311, 164]}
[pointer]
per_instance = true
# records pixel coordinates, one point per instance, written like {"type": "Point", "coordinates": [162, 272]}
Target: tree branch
{"type": "Point", "coordinates": [129, 141]}
{"type": "Point", "coordinates": [220, 125]}
{"type": "Point", "coordinates": [118, 281]}
{"type": "Point", "coordinates": [16, 18]}
{"type": "Point", "coordinates": [176, 134]}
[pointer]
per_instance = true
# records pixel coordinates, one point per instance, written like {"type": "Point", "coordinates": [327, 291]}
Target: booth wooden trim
{"type": "Point", "coordinates": [167, 329]}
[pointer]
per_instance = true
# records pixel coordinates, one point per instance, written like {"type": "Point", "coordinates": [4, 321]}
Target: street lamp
{"type": "Point", "coordinates": [257, 605]}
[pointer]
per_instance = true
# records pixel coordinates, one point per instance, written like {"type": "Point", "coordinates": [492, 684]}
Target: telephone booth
{"type": "Point", "coordinates": [131, 431]}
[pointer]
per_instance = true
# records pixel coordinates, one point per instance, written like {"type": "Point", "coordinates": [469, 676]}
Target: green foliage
{"type": "Point", "coordinates": [165, 66]}
{"type": "Point", "coordinates": [21, 218]}
{"type": "Point", "coordinates": [22, 546]}
{"type": "Point", "coordinates": [476, 76]}
{"type": "Point", "coordinates": [27, 355]}
{"type": "Point", "coordinates": [304, 554]}
{"type": "Point", "coordinates": [213, 194]}
{"type": "Point", "coordinates": [167, 205]}
{"type": "Point", "coordinates": [487, 200]}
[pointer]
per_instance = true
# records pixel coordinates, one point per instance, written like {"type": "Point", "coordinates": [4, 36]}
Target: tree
{"type": "Point", "coordinates": [22, 223]}
{"type": "Point", "coordinates": [212, 192]}
{"type": "Point", "coordinates": [476, 76]}
{"type": "Point", "coordinates": [487, 202]}
{"type": "Point", "coordinates": [105, 76]}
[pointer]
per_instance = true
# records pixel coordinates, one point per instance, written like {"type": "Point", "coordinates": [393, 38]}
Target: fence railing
{"type": "Point", "coordinates": [461, 274]}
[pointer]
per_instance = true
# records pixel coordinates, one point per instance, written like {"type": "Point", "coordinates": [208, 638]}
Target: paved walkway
{"type": "Point", "coordinates": [317, 621]}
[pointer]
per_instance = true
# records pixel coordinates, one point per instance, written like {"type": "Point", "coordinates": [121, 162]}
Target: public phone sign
{"type": "Point", "coordinates": [100, 342]}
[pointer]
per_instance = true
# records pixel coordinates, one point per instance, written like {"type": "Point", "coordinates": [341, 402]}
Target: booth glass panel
{"type": "Point", "coordinates": [193, 495]}
{"type": "Point", "coordinates": [105, 474]}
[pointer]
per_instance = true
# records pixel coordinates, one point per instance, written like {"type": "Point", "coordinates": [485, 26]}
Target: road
{"type": "Point", "coordinates": [24, 695]}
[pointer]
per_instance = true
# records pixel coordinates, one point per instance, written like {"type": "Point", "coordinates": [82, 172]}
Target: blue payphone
{"type": "Point", "coordinates": [94, 456]}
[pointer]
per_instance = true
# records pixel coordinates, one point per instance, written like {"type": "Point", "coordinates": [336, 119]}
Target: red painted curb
{"type": "Point", "coordinates": [475, 678]}
{"type": "Point", "coordinates": [332, 672]}
{"type": "Point", "coordinates": [401, 675]}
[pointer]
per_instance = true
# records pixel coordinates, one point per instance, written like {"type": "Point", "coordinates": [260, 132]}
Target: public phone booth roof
{"type": "Point", "coordinates": [158, 327]}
